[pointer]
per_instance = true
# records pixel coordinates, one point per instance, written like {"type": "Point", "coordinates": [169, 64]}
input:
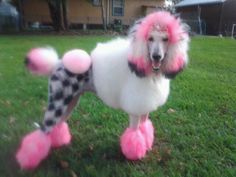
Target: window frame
{"type": "Point", "coordinates": [123, 8]}
{"type": "Point", "coordinates": [96, 3]}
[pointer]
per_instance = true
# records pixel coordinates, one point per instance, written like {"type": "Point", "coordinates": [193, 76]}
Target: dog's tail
{"type": "Point", "coordinates": [41, 61]}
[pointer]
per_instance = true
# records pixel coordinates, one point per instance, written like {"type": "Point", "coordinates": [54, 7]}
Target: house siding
{"type": "Point", "coordinates": [134, 9]}
{"type": "Point", "coordinates": [84, 12]}
{"type": "Point", "coordinates": [36, 10]}
{"type": "Point", "coordinates": [219, 18]}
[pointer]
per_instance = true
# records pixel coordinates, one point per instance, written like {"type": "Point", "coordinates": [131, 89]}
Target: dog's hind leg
{"type": "Point", "coordinates": [65, 89]}
{"type": "Point", "coordinates": [60, 134]}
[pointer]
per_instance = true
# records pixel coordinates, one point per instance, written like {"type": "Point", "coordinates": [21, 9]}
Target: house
{"type": "Point", "coordinates": [88, 13]}
{"type": "Point", "coordinates": [211, 17]}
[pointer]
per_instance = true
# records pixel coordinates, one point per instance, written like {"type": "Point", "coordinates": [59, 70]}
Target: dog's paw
{"type": "Point", "coordinates": [133, 144]}
{"type": "Point", "coordinates": [60, 135]}
{"type": "Point", "coordinates": [147, 130]}
{"type": "Point", "coordinates": [34, 148]}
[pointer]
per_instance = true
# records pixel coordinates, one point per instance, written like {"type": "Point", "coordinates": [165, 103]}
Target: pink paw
{"type": "Point", "coordinates": [133, 144]}
{"type": "Point", "coordinates": [147, 130]}
{"type": "Point", "coordinates": [34, 148]}
{"type": "Point", "coordinates": [60, 135]}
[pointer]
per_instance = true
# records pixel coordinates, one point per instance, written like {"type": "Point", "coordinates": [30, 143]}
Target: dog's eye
{"type": "Point", "coordinates": [150, 39]}
{"type": "Point", "coordinates": [165, 39]}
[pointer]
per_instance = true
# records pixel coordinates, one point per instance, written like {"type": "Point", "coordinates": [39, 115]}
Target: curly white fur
{"type": "Point", "coordinates": [118, 87]}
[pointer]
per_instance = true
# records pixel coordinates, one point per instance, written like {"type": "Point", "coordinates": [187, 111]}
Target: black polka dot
{"type": "Point", "coordinates": [80, 77]}
{"type": "Point", "coordinates": [58, 113]}
{"type": "Point", "coordinates": [75, 87]}
{"type": "Point", "coordinates": [66, 83]}
{"type": "Point", "coordinates": [67, 100]}
{"type": "Point", "coordinates": [70, 74]}
{"type": "Point", "coordinates": [58, 95]}
{"type": "Point", "coordinates": [49, 122]}
{"type": "Point", "coordinates": [50, 99]}
{"type": "Point", "coordinates": [86, 73]}
{"type": "Point", "coordinates": [51, 106]}
{"type": "Point", "coordinates": [59, 69]}
{"type": "Point", "coordinates": [54, 78]}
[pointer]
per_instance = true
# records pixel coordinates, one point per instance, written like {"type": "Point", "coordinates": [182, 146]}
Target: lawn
{"type": "Point", "coordinates": [195, 130]}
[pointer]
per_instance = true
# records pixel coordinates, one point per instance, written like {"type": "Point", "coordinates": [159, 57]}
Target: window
{"type": "Point", "coordinates": [117, 7]}
{"type": "Point", "coordinates": [96, 2]}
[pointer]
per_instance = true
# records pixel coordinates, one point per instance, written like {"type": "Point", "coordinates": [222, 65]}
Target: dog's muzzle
{"type": "Point", "coordinates": [156, 61]}
{"type": "Point", "coordinates": [156, 65]}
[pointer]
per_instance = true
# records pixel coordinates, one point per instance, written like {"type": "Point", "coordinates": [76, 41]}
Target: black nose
{"type": "Point", "coordinates": [156, 57]}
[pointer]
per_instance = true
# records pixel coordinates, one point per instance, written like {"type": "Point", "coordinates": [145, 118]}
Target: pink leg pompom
{"type": "Point", "coordinates": [147, 130]}
{"type": "Point", "coordinates": [34, 148]}
{"type": "Point", "coordinates": [60, 135]}
{"type": "Point", "coordinates": [133, 144]}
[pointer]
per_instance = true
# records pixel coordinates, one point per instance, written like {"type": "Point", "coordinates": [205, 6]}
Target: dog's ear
{"type": "Point", "coordinates": [138, 57]}
{"type": "Point", "coordinates": [176, 57]}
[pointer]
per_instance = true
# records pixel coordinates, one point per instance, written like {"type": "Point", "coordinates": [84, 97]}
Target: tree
{"type": "Point", "coordinates": [58, 13]}
{"type": "Point", "coordinates": [170, 5]}
{"type": "Point", "coordinates": [104, 22]}
{"type": "Point", "coordinates": [19, 5]}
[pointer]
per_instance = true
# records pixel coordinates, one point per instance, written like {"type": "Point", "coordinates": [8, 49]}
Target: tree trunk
{"type": "Point", "coordinates": [64, 13]}
{"type": "Point", "coordinates": [55, 13]}
{"type": "Point", "coordinates": [103, 16]}
{"type": "Point", "coordinates": [21, 11]}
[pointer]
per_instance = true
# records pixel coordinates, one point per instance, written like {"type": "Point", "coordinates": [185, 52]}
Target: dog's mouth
{"type": "Point", "coordinates": [156, 65]}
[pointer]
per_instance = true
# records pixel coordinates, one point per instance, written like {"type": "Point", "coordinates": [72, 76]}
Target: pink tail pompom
{"type": "Point", "coordinates": [60, 135]}
{"type": "Point", "coordinates": [133, 144]}
{"type": "Point", "coordinates": [147, 130]}
{"type": "Point", "coordinates": [34, 148]}
{"type": "Point", "coordinates": [41, 61]}
{"type": "Point", "coordinates": [77, 61]}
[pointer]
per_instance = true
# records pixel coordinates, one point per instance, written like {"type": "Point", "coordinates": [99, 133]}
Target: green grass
{"type": "Point", "coordinates": [197, 139]}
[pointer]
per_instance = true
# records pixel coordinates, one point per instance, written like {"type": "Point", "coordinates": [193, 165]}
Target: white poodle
{"type": "Point", "coordinates": [132, 74]}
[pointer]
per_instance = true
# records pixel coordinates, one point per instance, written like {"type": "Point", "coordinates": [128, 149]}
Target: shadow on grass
{"type": "Point", "coordinates": [94, 156]}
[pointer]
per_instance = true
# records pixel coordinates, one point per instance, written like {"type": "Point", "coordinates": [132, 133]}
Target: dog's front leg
{"type": "Point", "coordinates": [137, 138]}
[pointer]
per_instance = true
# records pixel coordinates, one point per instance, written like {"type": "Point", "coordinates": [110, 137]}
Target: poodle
{"type": "Point", "coordinates": [132, 74]}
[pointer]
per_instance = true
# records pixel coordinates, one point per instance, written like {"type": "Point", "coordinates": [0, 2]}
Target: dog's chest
{"type": "Point", "coordinates": [123, 89]}
{"type": "Point", "coordinates": [118, 87]}
{"type": "Point", "coordinates": [141, 96]}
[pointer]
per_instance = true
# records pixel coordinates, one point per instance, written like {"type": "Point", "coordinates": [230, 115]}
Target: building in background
{"type": "Point", "coordinates": [210, 17]}
{"type": "Point", "coordinates": [88, 13]}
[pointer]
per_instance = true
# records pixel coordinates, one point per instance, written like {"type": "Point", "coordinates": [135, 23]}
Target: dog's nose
{"type": "Point", "coordinates": [156, 57]}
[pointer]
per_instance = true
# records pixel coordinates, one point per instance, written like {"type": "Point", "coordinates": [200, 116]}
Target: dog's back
{"type": "Point", "coordinates": [110, 69]}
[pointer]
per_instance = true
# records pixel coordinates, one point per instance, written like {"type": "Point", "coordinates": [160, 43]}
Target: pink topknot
{"type": "Point", "coordinates": [165, 21]}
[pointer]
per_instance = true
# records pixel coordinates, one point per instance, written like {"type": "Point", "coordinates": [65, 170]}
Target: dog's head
{"type": "Point", "coordinates": [159, 45]}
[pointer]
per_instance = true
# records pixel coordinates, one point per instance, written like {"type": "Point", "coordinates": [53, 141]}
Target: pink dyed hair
{"type": "Point", "coordinates": [166, 22]}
